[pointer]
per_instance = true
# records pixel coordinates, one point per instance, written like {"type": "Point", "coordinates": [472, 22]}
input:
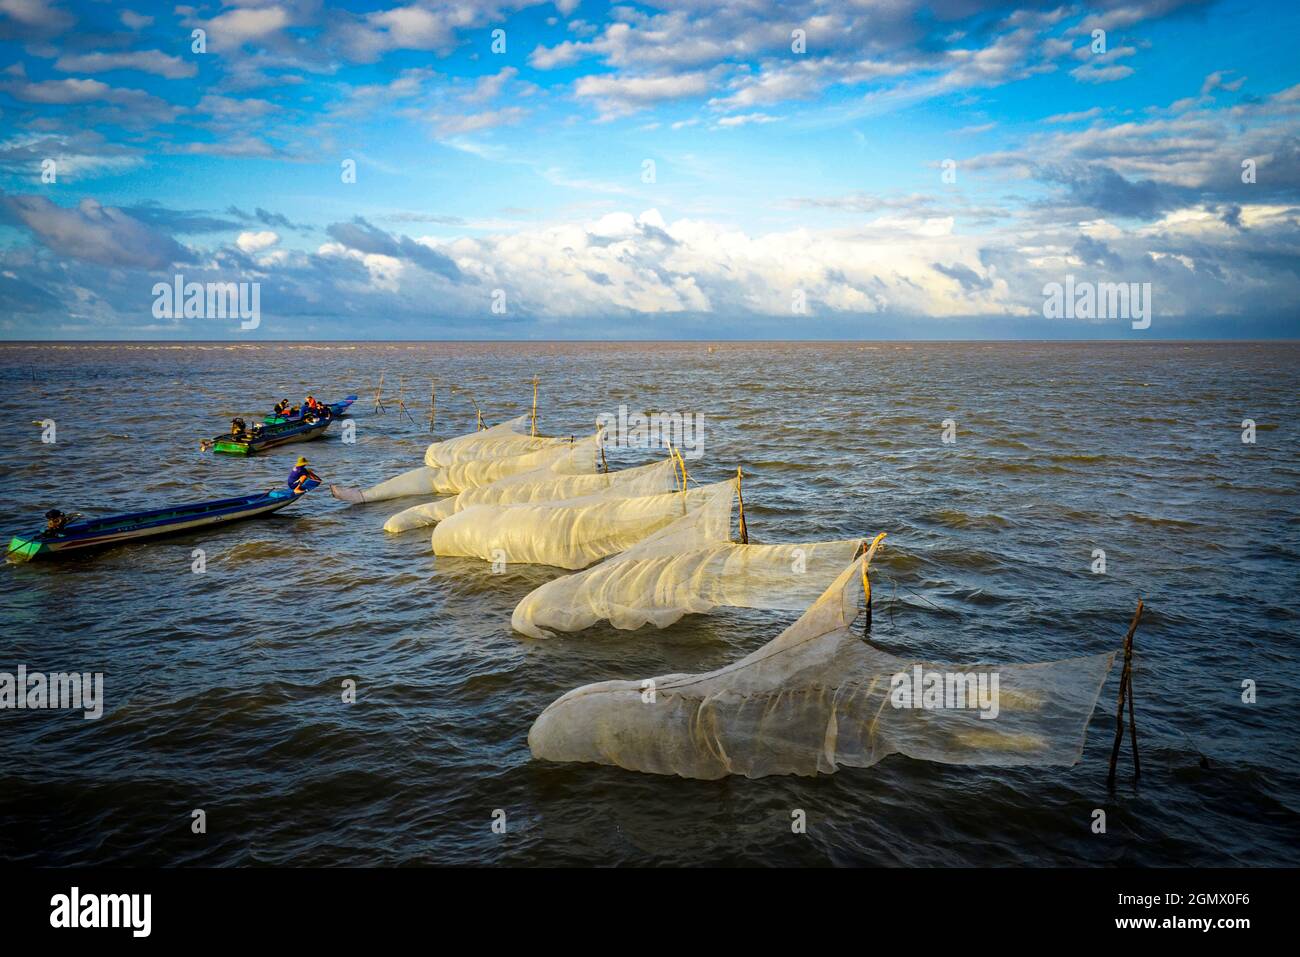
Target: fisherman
{"type": "Point", "coordinates": [281, 407]}
{"type": "Point", "coordinates": [300, 475]}
{"type": "Point", "coordinates": [55, 521]}
{"type": "Point", "coordinates": [237, 428]}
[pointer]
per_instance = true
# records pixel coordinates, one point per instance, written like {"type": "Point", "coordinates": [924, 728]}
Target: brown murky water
{"type": "Point", "coordinates": [223, 688]}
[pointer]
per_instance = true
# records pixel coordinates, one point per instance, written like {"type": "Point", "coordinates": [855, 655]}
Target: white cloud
{"type": "Point", "coordinates": [145, 61]}
{"type": "Point", "coordinates": [618, 95]}
{"type": "Point", "coordinates": [256, 242]}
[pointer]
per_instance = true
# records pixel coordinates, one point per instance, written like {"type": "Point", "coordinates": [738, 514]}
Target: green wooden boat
{"type": "Point", "coordinates": [262, 437]}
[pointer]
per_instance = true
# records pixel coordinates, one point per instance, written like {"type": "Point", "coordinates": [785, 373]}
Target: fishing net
{"type": "Point", "coordinates": [818, 697]}
{"type": "Point", "coordinates": [500, 441]}
{"type": "Point", "coordinates": [690, 566]}
{"type": "Point", "coordinates": [547, 484]}
{"type": "Point", "coordinates": [569, 534]}
{"type": "Point", "coordinates": [470, 465]}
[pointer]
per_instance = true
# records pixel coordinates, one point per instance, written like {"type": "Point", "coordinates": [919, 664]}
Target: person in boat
{"type": "Point", "coordinates": [55, 521]}
{"type": "Point", "coordinates": [238, 428]}
{"type": "Point", "coordinates": [281, 407]}
{"type": "Point", "coordinates": [301, 474]}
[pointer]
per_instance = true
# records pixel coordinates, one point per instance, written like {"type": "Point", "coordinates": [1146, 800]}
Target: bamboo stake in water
{"type": "Point", "coordinates": [1126, 692]}
{"type": "Point", "coordinates": [535, 384]}
{"type": "Point", "coordinates": [740, 496]}
{"type": "Point", "coordinates": [401, 406]}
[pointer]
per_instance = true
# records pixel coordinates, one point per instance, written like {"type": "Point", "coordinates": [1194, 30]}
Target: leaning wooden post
{"type": "Point", "coordinates": [600, 441]}
{"type": "Point", "coordinates": [740, 496]}
{"type": "Point", "coordinates": [535, 382]}
{"type": "Point", "coordinates": [401, 406]}
{"type": "Point", "coordinates": [866, 591]}
{"type": "Point", "coordinates": [433, 403]}
{"type": "Point", "coordinates": [1126, 694]}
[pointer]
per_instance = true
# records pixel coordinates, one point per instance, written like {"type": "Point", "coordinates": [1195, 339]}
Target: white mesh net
{"type": "Point", "coordinates": [547, 484]}
{"type": "Point", "coordinates": [818, 697]}
{"type": "Point", "coordinates": [474, 461]}
{"type": "Point", "coordinates": [690, 566]}
{"type": "Point", "coordinates": [569, 534]}
{"type": "Point", "coordinates": [507, 438]}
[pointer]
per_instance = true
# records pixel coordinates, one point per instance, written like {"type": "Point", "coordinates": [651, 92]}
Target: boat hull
{"type": "Point", "coordinates": [135, 526]}
{"type": "Point", "coordinates": [273, 436]}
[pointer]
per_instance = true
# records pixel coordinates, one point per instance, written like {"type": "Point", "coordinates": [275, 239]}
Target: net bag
{"type": "Point", "coordinates": [690, 566]}
{"type": "Point", "coordinates": [819, 697]}
{"type": "Point", "coordinates": [547, 484]}
{"type": "Point", "coordinates": [568, 534]}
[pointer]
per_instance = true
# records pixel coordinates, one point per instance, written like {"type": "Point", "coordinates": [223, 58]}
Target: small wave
{"type": "Point", "coordinates": [952, 518]}
{"type": "Point", "coordinates": [259, 549]}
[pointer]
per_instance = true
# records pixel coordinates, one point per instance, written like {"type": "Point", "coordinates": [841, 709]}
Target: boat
{"type": "Point", "coordinates": [337, 408]}
{"type": "Point", "coordinates": [100, 532]}
{"type": "Point", "coordinates": [264, 437]}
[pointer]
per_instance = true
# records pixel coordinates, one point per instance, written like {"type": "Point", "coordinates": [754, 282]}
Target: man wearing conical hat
{"type": "Point", "coordinates": [300, 475]}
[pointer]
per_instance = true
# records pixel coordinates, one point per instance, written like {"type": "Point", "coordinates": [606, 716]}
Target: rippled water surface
{"type": "Point", "coordinates": [223, 688]}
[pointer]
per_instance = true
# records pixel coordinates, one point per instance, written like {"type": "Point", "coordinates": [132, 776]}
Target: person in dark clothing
{"type": "Point", "coordinates": [300, 475]}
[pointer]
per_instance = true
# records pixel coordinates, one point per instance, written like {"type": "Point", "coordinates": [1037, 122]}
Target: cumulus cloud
{"type": "Point", "coordinates": [256, 242]}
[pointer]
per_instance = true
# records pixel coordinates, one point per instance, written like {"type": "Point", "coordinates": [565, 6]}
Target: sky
{"type": "Point", "coordinates": [502, 169]}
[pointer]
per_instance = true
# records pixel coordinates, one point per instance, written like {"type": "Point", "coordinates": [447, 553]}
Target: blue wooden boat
{"type": "Point", "coordinates": [337, 408]}
{"type": "Point", "coordinates": [100, 532]}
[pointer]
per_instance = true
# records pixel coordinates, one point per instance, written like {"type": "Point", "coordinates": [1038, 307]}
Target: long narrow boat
{"type": "Point", "coordinates": [100, 532]}
{"type": "Point", "coordinates": [337, 408]}
{"type": "Point", "coordinates": [269, 436]}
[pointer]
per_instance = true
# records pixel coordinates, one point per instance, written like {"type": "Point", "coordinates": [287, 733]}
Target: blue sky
{"type": "Point", "coordinates": [795, 192]}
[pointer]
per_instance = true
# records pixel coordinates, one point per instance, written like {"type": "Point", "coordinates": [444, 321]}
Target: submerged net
{"type": "Point", "coordinates": [818, 697]}
{"type": "Point", "coordinates": [547, 484]}
{"type": "Point", "coordinates": [572, 533]}
{"type": "Point", "coordinates": [473, 463]}
{"type": "Point", "coordinates": [690, 566]}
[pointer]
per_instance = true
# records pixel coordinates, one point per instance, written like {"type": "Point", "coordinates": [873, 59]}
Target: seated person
{"type": "Point", "coordinates": [55, 521]}
{"type": "Point", "coordinates": [237, 428]}
{"type": "Point", "coordinates": [300, 475]}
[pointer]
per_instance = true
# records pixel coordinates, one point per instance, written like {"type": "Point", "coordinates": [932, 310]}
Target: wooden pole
{"type": "Point", "coordinates": [433, 403]}
{"type": "Point", "coordinates": [740, 495]}
{"type": "Point", "coordinates": [379, 392]}
{"type": "Point", "coordinates": [535, 383]}
{"type": "Point", "coordinates": [478, 413]}
{"type": "Point", "coordinates": [600, 440]}
{"type": "Point", "coordinates": [401, 405]}
{"type": "Point", "coordinates": [866, 590]}
{"type": "Point", "coordinates": [1126, 693]}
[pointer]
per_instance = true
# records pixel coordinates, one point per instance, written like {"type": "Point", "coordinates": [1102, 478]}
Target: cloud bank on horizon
{"type": "Point", "coordinates": [676, 168]}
